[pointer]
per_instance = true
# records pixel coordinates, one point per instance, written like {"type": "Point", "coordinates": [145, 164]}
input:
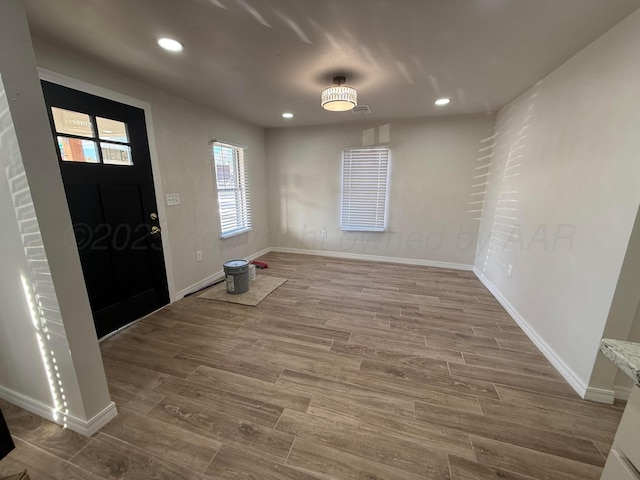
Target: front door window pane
{"type": "Point", "coordinates": [115, 154]}
{"type": "Point", "coordinates": [78, 150]}
{"type": "Point", "coordinates": [72, 123]}
{"type": "Point", "coordinates": [112, 130]}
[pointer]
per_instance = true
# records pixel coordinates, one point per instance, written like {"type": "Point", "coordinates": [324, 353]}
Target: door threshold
{"type": "Point", "coordinates": [124, 327]}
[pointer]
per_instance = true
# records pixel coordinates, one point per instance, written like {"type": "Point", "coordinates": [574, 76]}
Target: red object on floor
{"type": "Point", "coordinates": [260, 264]}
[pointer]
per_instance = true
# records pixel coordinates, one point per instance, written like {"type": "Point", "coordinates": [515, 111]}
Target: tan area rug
{"type": "Point", "coordinates": [258, 290]}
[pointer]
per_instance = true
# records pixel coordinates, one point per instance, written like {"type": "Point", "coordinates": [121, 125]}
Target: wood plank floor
{"type": "Point", "coordinates": [350, 370]}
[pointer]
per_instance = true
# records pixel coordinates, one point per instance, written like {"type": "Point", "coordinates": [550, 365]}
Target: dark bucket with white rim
{"type": "Point", "coordinates": [236, 274]}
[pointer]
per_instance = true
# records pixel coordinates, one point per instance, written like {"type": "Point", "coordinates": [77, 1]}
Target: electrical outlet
{"type": "Point", "coordinates": [199, 256]}
{"type": "Point", "coordinates": [510, 270]}
{"type": "Point", "coordinates": [173, 199]}
{"type": "Point", "coordinates": [323, 233]}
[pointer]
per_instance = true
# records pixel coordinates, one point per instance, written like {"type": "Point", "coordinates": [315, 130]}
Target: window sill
{"type": "Point", "coordinates": [365, 229]}
{"type": "Point", "coordinates": [235, 233]}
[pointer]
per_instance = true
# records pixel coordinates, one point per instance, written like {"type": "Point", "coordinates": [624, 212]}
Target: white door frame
{"type": "Point", "coordinates": [70, 82]}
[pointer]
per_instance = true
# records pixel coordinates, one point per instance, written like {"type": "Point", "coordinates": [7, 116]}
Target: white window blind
{"type": "Point", "coordinates": [365, 181]}
{"type": "Point", "coordinates": [233, 189]}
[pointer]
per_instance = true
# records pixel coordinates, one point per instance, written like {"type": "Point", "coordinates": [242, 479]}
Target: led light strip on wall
{"type": "Point", "coordinates": [36, 282]}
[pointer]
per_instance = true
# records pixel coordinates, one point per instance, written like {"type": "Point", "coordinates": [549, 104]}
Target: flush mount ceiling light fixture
{"type": "Point", "coordinates": [170, 44]}
{"type": "Point", "coordinates": [441, 102]}
{"type": "Point", "coordinates": [287, 115]}
{"type": "Point", "coordinates": [339, 97]}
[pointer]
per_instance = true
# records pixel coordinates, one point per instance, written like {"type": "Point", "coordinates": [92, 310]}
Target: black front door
{"type": "Point", "coordinates": [104, 157]}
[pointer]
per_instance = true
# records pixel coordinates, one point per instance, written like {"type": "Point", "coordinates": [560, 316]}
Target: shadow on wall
{"type": "Point", "coordinates": [507, 232]}
{"type": "Point", "coordinates": [36, 281]}
{"type": "Point", "coordinates": [380, 58]}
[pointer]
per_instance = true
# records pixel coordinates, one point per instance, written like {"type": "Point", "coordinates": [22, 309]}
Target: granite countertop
{"type": "Point", "coordinates": [626, 355]}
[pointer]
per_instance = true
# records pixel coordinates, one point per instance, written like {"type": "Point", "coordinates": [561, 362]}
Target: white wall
{"type": "Point", "coordinates": [183, 131]}
{"type": "Point", "coordinates": [563, 195]}
{"type": "Point", "coordinates": [45, 318]}
{"type": "Point", "coordinates": [21, 366]}
{"type": "Point", "coordinates": [432, 177]}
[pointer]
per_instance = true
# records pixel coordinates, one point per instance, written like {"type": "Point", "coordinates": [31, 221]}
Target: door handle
{"type": "Point", "coordinates": [155, 230]}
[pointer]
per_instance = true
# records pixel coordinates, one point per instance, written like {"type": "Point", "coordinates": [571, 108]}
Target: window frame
{"type": "Point", "coordinates": [98, 142]}
{"type": "Point", "coordinates": [242, 215]}
{"type": "Point", "coordinates": [352, 224]}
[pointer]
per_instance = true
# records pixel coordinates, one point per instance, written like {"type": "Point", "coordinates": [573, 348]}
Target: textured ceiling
{"type": "Point", "coordinates": [255, 59]}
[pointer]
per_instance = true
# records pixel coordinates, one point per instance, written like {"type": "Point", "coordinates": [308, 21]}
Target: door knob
{"type": "Point", "coordinates": [155, 230]}
{"type": "Point", "coordinates": [154, 216]}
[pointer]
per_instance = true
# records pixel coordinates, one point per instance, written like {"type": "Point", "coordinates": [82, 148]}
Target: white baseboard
{"type": "Point", "coordinates": [622, 393]}
{"type": "Point", "coordinates": [599, 395]}
{"type": "Point", "coordinates": [83, 427]}
{"type": "Point", "coordinates": [199, 285]}
{"type": "Point", "coordinates": [98, 421]}
{"type": "Point", "coordinates": [375, 258]}
{"type": "Point", "coordinates": [214, 278]}
{"type": "Point", "coordinates": [258, 254]}
{"type": "Point", "coordinates": [593, 394]}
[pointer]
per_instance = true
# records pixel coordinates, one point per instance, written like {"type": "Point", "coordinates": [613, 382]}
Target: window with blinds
{"type": "Point", "coordinates": [365, 189]}
{"type": "Point", "coordinates": [233, 189]}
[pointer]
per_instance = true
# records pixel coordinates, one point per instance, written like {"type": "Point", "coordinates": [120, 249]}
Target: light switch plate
{"type": "Point", "coordinates": [173, 199]}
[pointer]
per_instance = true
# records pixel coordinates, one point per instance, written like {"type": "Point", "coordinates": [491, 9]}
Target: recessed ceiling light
{"type": "Point", "coordinates": [441, 102]}
{"type": "Point", "coordinates": [170, 44]}
{"type": "Point", "coordinates": [287, 115]}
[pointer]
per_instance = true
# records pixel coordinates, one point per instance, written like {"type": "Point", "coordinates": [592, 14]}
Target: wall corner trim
{"type": "Point", "coordinates": [83, 427]}
{"type": "Point", "coordinates": [91, 426]}
{"type": "Point", "coordinates": [621, 393]}
{"type": "Point", "coordinates": [585, 392]}
{"type": "Point", "coordinates": [599, 395]}
{"type": "Point", "coordinates": [375, 258]}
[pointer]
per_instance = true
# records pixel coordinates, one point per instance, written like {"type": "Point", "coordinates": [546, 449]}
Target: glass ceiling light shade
{"type": "Point", "coordinates": [339, 97]}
